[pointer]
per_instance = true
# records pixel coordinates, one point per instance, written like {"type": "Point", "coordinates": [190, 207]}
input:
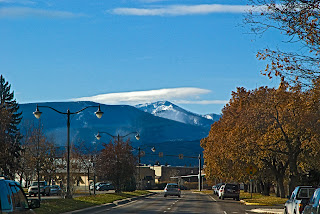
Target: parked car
{"type": "Point", "coordinates": [104, 187]}
{"type": "Point", "coordinates": [44, 188]}
{"type": "Point", "coordinates": [96, 185]}
{"type": "Point", "coordinates": [55, 190]}
{"type": "Point", "coordinates": [313, 206]}
{"type": "Point", "coordinates": [298, 199]}
{"type": "Point", "coordinates": [230, 191]}
{"type": "Point", "coordinates": [172, 189]}
{"type": "Point", "coordinates": [217, 188]}
{"type": "Point", "coordinates": [13, 198]}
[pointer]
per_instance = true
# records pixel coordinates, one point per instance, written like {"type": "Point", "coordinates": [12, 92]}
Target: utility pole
{"type": "Point", "coordinates": [38, 161]}
{"type": "Point", "coordinates": [200, 177]}
{"type": "Point", "coordinates": [139, 155]}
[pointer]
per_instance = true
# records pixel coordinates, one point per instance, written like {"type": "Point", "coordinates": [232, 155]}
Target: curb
{"type": "Point", "coordinates": [268, 209]}
{"type": "Point", "coordinates": [108, 205]}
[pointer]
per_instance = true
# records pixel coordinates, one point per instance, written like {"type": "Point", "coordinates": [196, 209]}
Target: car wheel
{"type": "Point", "coordinates": [222, 197]}
{"type": "Point", "coordinates": [179, 196]}
{"type": "Point", "coordinates": [165, 195]}
{"type": "Point", "coordinates": [285, 211]}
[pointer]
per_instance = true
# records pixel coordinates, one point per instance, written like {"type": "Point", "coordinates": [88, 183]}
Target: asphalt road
{"type": "Point", "coordinates": [188, 203]}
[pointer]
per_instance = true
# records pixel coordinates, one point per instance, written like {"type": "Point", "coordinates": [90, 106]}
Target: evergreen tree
{"type": "Point", "coordinates": [10, 137]}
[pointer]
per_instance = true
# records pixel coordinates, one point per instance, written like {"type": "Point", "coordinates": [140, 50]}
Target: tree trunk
{"type": "Point", "coordinates": [280, 186]}
{"type": "Point", "coordinates": [245, 187]}
{"type": "Point", "coordinates": [293, 176]}
{"type": "Point", "coordinates": [266, 188]}
{"type": "Point", "coordinates": [277, 190]}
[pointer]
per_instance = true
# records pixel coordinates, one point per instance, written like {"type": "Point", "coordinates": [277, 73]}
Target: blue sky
{"type": "Point", "coordinates": [193, 53]}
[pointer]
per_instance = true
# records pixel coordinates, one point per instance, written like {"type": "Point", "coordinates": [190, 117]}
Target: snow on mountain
{"type": "Point", "coordinates": [214, 117]}
{"type": "Point", "coordinates": [171, 111]}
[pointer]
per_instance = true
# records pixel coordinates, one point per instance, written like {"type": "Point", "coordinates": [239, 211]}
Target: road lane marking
{"type": "Point", "coordinates": [213, 198]}
{"type": "Point", "coordinates": [225, 212]}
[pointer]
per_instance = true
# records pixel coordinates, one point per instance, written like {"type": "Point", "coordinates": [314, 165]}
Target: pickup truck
{"type": "Point", "coordinates": [298, 199]}
{"type": "Point", "coordinates": [44, 188]}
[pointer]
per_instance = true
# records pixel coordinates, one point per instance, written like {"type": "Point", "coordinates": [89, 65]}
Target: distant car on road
{"type": "Point", "coordinates": [172, 189]}
{"type": "Point", "coordinates": [298, 199]}
{"type": "Point", "coordinates": [313, 205]}
{"type": "Point", "coordinates": [230, 191]}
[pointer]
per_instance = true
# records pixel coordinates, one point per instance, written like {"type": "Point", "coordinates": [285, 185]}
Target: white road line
{"type": "Point", "coordinates": [225, 212]}
{"type": "Point", "coordinates": [213, 198]}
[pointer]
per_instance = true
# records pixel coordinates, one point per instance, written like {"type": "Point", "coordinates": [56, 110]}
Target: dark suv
{"type": "Point", "coordinates": [13, 199]}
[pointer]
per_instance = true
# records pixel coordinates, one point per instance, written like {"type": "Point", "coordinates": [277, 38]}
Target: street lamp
{"type": "Point", "coordinates": [153, 149]}
{"type": "Point", "coordinates": [38, 113]}
{"type": "Point", "coordinates": [118, 137]}
{"type": "Point", "coordinates": [98, 136]}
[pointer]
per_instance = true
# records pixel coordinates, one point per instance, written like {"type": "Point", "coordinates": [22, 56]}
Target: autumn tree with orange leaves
{"type": "Point", "coordinates": [275, 129]}
{"type": "Point", "coordinates": [298, 21]}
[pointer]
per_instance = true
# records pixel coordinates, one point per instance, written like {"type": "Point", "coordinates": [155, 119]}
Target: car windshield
{"type": "Point", "coordinates": [173, 186]}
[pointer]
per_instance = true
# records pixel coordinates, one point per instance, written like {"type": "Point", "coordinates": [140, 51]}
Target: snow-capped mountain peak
{"type": "Point", "coordinates": [171, 111]}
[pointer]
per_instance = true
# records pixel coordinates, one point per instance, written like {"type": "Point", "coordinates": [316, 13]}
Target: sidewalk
{"type": "Point", "coordinates": [276, 209]}
{"type": "Point", "coordinates": [270, 210]}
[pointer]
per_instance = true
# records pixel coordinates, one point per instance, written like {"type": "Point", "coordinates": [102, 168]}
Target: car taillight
{"type": "Point", "coordinates": [178, 189]}
{"type": "Point", "coordinates": [300, 208]}
{"type": "Point", "coordinates": [165, 189]}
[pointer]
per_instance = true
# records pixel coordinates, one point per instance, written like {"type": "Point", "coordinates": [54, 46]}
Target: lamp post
{"type": "Point", "coordinates": [118, 137]}
{"type": "Point", "coordinates": [38, 113]}
{"type": "Point", "coordinates": [153, 149]}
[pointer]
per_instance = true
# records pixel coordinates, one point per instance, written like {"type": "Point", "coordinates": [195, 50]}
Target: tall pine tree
{"type": "Point", "coordinates": [9, 131]}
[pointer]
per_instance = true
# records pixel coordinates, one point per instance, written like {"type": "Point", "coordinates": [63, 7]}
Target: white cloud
{"type": "Point", "coordinates": [27, 11]}
{"type": "Point", "coordinates": [179, 10]}
{"type": "Point", "coordinates": [178, 95]}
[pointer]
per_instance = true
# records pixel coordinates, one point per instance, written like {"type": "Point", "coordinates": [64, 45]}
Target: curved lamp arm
{"type": "Point", "coordinates": [38, 113]}
{"type": "Point", "coordinates": [137, 136]}
{"type": "Point", "coordinates": [98, 136]}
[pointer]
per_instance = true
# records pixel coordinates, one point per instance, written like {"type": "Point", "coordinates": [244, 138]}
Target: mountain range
{"type": "Point", "coordinates": [171, 111]}
{"type": "Point", "coordinates": [171, 129]}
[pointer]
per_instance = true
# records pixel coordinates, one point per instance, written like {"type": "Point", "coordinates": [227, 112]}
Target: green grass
{"type": "Point", "coordinates": [259, 199]}
{"type": "Point", "coordinates": [55, 206]}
